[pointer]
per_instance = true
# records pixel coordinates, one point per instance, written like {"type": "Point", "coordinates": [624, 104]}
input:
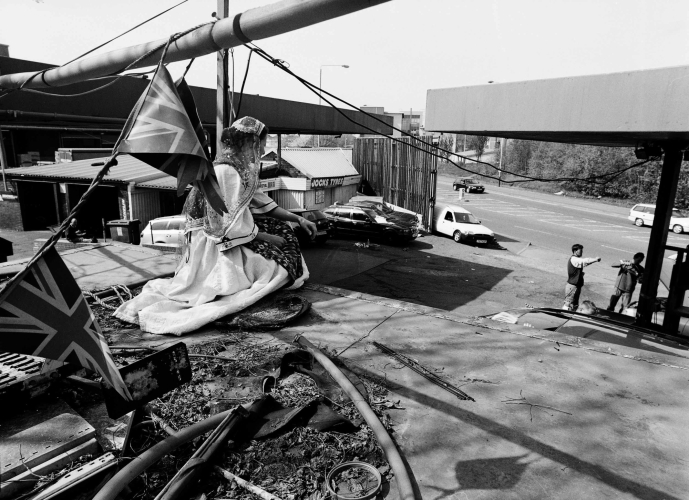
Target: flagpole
{"type": "Point", "coordinates": [254, 24]}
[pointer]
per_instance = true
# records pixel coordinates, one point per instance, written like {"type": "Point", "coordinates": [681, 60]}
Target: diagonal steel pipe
{"type": "Point", "coordinates": [254, 24]}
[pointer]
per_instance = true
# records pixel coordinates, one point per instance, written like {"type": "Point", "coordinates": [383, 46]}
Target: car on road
{"type": "Point", "coordinates": [469, 184]}
{"type": "Point", "coordinates": [384, 209]}
{"type": "Point", "coordinates": [642, 214]}
{"type": "Point", "coordinates": [323, 225]}
{"type": "Point", "coordinates": [367, 223]}
{"type": "Point", "coordinates": [164, 230]}
{"type": "Point", "coordinates": [461, 224]}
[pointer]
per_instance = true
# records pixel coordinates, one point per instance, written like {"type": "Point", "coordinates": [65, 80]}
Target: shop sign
{"type": "Point", "coordinates": [326, 182]}
{"type": "Point", "coordinates": [268, 184]}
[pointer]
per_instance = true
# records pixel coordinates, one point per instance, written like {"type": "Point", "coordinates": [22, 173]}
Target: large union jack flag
{"type": "Point", "coordinates": [43, 313]}
{"type": "Point", "coordinates": [164, 130]}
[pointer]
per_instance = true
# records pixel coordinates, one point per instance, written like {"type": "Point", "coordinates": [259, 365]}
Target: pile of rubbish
{"type": "Point", "coordinates": [242, 417]}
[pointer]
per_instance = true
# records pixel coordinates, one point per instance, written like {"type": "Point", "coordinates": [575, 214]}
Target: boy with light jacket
{"type": "Point", "coordinates": [630, 274]}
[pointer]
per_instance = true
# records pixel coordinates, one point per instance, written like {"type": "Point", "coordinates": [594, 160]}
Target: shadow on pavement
{"type": "Point", "coordinates": [593, 470]}
{"type": "Point", "coordinates": [411, 274]}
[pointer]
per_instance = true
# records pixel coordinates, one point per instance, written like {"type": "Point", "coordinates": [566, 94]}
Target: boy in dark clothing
{"type": "Point", "coordinates": [575, 276]}
{"type": "Point", "coordinates": [630, 274]}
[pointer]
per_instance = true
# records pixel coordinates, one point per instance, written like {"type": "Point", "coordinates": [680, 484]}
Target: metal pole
{"type": "Point", "coordinates": [255, 24]}
{"type": "Point", "coordinates": [222, 118]}
{"type": "Point", "coordinates": [57, 203]}
{"type": "Point", "coordinates": [320, 86]}
{"type": "Point", "coordinates": [502, 140]}
{"type": "Point", "coordinates": [279, 151]}
{"type": "Point", "coordinates": [667, 189]}
{"type": "Point", "coordinates": [3, 160]}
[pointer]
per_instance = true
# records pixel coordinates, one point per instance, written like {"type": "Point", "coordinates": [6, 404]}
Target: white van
{"type": "Point", "coordinates": [643, 214]}
{"type": "Point", "coordinates": [461, 224]}
{"type": "Point", "coordinates": [164, 230]}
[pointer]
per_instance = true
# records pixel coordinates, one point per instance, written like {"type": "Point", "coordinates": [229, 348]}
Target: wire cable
{"type": "Point", "coordinates": [241, 91]}
{"type": "Point", "coordinates": [606, 178]}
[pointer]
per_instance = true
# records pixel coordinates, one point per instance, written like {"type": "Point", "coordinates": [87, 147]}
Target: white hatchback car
{"type": "Point", "coordinates": [643, 214]}
{"type": "Point", "coordinates": [164, 230]}
{"type": "Point", "coordinates": [461, 224]}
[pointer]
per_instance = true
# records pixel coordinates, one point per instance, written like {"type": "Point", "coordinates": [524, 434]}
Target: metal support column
{"type": "Point", "coordinates": [279, 151]}
{"type": "Point", "coordinates": [57, 203]}
{"type": "Point", "coordinates": [222, 120]}
{"type": "Point", "coordinates": [661, 222]}
{"type": "Point", "coordinates": [3, 161]}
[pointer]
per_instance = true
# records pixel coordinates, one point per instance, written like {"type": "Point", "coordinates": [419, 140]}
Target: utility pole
{"type": "Point", "coordinates": [222, 120]}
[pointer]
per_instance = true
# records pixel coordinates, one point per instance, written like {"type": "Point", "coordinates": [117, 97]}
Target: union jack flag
{"type": "Point", "coordinates": [43, 313]}
{"type": "Point", "coordinates": [164, 130]}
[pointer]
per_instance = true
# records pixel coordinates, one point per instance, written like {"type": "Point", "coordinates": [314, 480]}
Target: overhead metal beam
{"type": "Point", "coordinates": [254, 24]}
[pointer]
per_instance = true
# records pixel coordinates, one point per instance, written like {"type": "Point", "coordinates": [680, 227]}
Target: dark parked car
{"type": "Point", "coordinates": [383, 209]}
{"type": "Point", "coordinates": [323, 225]}
{"type": "Point", "coordinates": [366, 223]}
{"type": "Point", "coordinates": [469, 184]}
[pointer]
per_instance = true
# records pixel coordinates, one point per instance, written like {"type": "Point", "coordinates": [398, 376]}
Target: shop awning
{"type": "Point", "coordinates": [127, 170]}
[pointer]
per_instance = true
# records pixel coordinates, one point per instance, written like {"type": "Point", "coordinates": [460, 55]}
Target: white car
{"type": "Point", "coordinates": [461, 224]}
{"type": "Point", "coordinates": [642, 215]}
{"type": "Point", "coordinates": [164, 230]}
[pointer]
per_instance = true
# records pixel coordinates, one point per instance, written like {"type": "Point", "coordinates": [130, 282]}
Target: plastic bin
{"type": "Point", "coordinates": [126, 231]}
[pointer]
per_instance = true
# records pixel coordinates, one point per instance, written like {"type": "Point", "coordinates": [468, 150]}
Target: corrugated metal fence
{"type": "Point", "coordinates": [401, 174]}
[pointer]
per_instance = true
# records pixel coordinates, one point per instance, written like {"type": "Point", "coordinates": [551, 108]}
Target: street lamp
{"type": "Point", "coordinates": [320, 86]}
{"type": "Point", "coordinates": [320, 77]}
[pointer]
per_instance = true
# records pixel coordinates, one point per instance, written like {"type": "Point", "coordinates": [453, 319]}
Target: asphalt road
{"type": "Point", "coordinates": [556, 222]}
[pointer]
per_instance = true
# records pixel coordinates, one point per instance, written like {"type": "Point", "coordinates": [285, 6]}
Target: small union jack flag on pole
{"type": "Point", "coordinates": [164, 130]}
{"type": "Point", "coordinates": [43, 313]}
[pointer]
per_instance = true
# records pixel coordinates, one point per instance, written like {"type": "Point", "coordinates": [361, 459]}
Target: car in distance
{"type": "Point", "coordinates": [164, 230]}
{"type": "Point", "coordinates": [642, 214]}
{"type": "Point", "coordinates": [323, 225]}
{"type": "Point", "coordinates": [469, 184]}
{"type": "Point", "coordinates": [461, 224]}
{"type": "Point", "coordinates": [366, 223]}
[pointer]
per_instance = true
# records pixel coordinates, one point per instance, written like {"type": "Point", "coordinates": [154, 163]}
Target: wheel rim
{"type": "Point", "coordinates": [677, 229]}
{"type": "Point", "coordinates": [457, 236]}
{"type": "Point", "coordinates": [639, 222]}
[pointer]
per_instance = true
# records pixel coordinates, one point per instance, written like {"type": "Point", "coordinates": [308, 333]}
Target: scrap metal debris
{"type": "Point", "coordinates": [246, 484]}
{"type": "Point", "coordinates": [312, 428]}
{"type": "Point", "coordinates": [424, 372]}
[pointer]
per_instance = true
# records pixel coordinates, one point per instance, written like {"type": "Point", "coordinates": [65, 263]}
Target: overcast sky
{"type": "Point", "coordinates": [396, 51]}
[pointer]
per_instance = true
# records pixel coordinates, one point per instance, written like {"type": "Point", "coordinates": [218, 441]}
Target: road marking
{"type": "Point", "coordinates": [606, 246]}
{"type": "Point", "coordinates": [544, 232]}
{"type": "Point", "coordinates": [573, 207]}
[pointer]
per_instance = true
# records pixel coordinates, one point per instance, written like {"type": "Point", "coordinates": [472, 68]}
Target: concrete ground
{"type": "Point", "coordinates": [555, 416]}
{"type": "Point", "coordinates": [608, 426]}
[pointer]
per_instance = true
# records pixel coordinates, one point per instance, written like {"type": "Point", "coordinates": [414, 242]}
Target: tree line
{"type": "Point", "coordinates": [551, 160]}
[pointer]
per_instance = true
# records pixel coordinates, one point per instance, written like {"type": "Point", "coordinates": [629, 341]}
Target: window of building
{"type": "Point", "coordinates": [320, 196]}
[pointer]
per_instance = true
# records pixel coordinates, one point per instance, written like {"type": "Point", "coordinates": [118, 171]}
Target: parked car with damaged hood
{"type": "Point", "coordinates": [398, 214]}
{"type": "Point", "coordinates": [367, 223]}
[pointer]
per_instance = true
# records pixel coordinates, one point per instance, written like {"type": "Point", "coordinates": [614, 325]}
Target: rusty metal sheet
{"type": "Point", "coordinates": [149, 378]}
